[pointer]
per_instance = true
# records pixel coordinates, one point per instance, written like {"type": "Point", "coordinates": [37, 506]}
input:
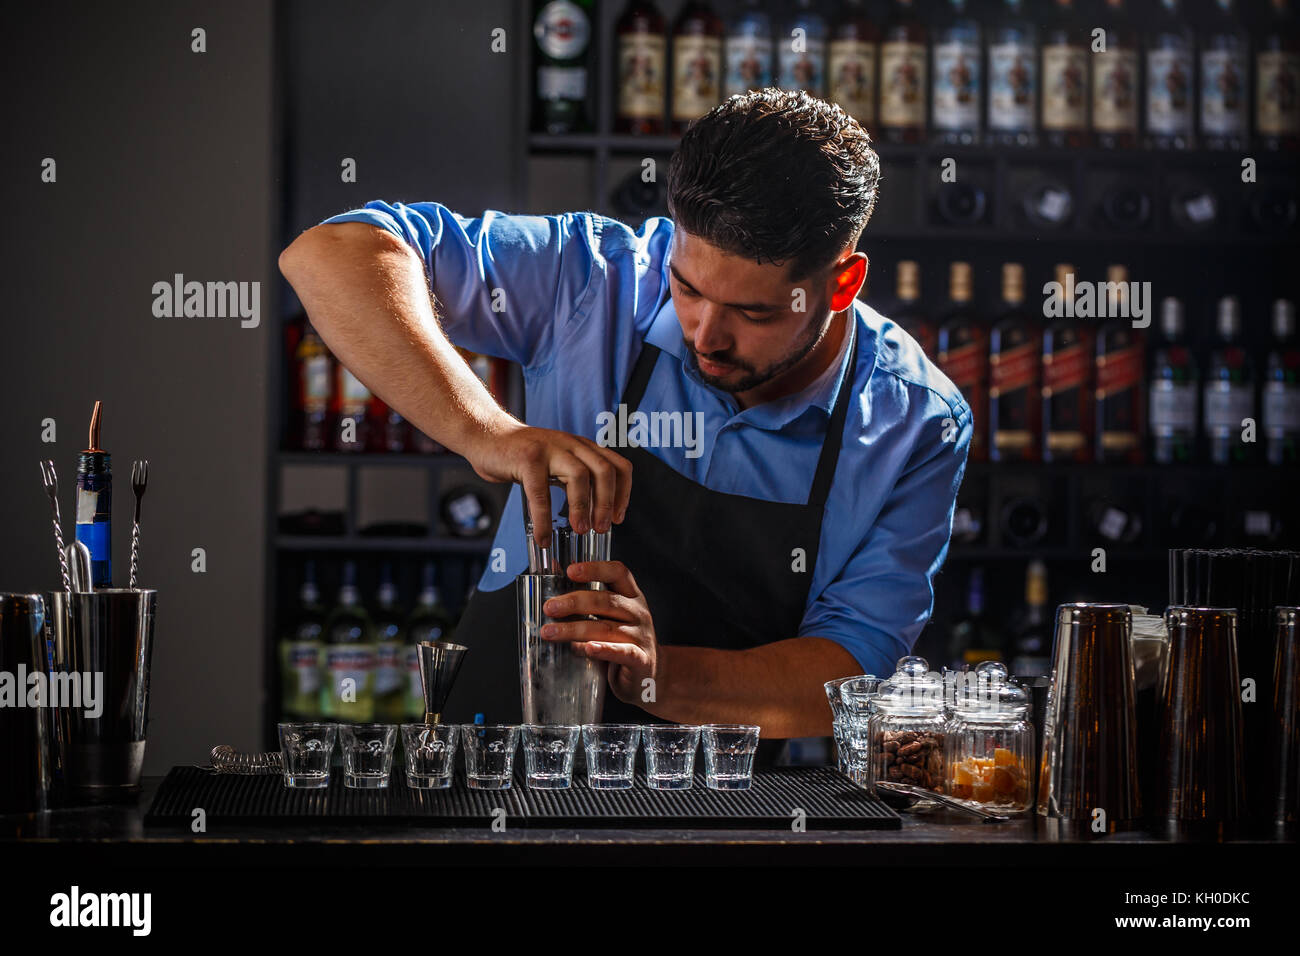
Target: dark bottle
{"type": "Point", "coordinates": [94, 515]}
{"type": "Point", "coordinates": [1032, 628]}
{"type": "Point", "coordinates": [1067, 381]}
{"type": "Point", "coordinates": [1065, 80]}
{"type": "Point", "coordinates": [352, 431]}
{"type": "Point", "coordinates": [1225, 57]}
{"type": "Point", "coordinates": [972, 638]}
{"type": "Point", "coordinates": [300, 651]}
{"type": "Point", "coordinates": [429, 622]}
{"type": "Point", "coordinates": [1169, 70]}
{"type": "Point", "coordinates": [1115, 82]}
{"type": "Point", "coordinates": [562, 35]}
{"type": "Point", "coordinates": [1280, 396]}
{"type": "Point", "coordinates": [903, 76]}
{"type": "Point", "coordinates": [963, 354]}
{"type": "Point", "coordinates": [313, 377]}
{"type": "Point", "coordinates": [1015, 375]}
{"type": "Point", "coordinates": [747, 51]}
{"type": "Point", "coordinates": [390, 652]}
{"type": "Point", "coordinates": [1174, 395]}
{"type": "Point", "coordinates": [348, 657]}
{"type": "Point", "coordinates": [697, 63]}
{"type": "Point", "coordinates": [957, 84]}
{"type": "Point", "coordinates": [1013, 78]}
{"type": "Point", "coordinates": [1277, 79]}
{"type": "Point", "coordinates": [853, 63]}
{"type": "Point", "coordinates": [396, 432]}
{"type": "Point", "coordinates": [801, 50]}
{"type": "Point", "coordinates": [1121, 365]}
{"type": "Point", "coordinates": [911, 316]}
{"type": "Point", "coordinates": [642, 69]}
{"type": "Point", "coordinates": [1229, 390]}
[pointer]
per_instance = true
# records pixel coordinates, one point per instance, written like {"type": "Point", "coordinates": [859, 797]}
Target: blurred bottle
{"type": "Point", "coordinates": [300, 652]}
{"type": "Point", "coordinates": [1225, 52]}
{"type": "Point", "coordinates": [395, 430]}
{"type": "Point", "coordinates": [1067, 382]}
{"type": "Point", "coordinates": [428, 622]}
{"type": "Point", "coordinates": [390, 652]}
{"type": "Point", "coordinates": [911, 316]}
{"type": "Point", "coordinates": [1277, 79]}
{"type": "Point", "coordinates": [1172, 415]}
{"type": "Point", "coordinates": [852, 64]}
{"type": "Point", "coordinates": [1032, 628]}
{"type": "Point", "coordinates": [972, 638]}
{"type": "Point", "coordinates": [801, 50]}
{"type": "Point", "coordinates": [563, 48]}
{"type": "Point", "coordinates": [348, 657]}
{"type": "Point", "coordinates": [957, 87]}
{"type": "Point", "coordinates": [352, 430]}
{"type": "Point", "coordinates": [748, 50]}
{"type": "Point", "coordinates": [963, 353]}
{"type": "Point", "coordinates": [697, 63]}
{"type": "Point", "coordinates": [1013, 78]}
{"type": "Point", "coordinates": [1065, 79]}
{"type": "Point", "coordinates": [1229, 389]}
{"type": "Point", "coordinates": [642, 70]}
{"type": "Point", "coordinates": [1121, 364]}
{"type": "Point", "coordinates": [1115, 81]}
{"type": "Point", "coordinates": [903, 76]}
{"type": "Point", "coordinates": [1281, 392]}
{"type": "Point", "coordinates": [313, 378]}
{"type": "Point", "coordinates": [1169, 69]}
{"type": "Point", "coordinates": [1015, 377]}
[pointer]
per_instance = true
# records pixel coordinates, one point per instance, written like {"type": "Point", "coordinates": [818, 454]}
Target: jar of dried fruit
{"type": "Point", "coordinates": [990, 742]}
{"type": "Point", "coordinates": [907, 731]}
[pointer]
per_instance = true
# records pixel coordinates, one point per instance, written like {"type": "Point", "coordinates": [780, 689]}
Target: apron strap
{"type": "Point", "coordinates": [830, 455]}
{"type": "Point", "coordinates": [636, 384]}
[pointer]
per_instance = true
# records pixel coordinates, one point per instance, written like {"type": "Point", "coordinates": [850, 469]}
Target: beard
{"type": "Point", "coordinates": [755, 377]}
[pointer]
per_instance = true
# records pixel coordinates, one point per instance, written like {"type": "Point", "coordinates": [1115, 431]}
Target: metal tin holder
{"type": "Point", "coordinates": [556, 685]}
{"type": "Point", "coordinates": [26, 745]}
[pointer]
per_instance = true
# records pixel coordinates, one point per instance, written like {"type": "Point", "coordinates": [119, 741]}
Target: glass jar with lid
{"type": "Point", "coordinates": [907, 732]}
{"type": "Point", "coordinates": [990, 742]}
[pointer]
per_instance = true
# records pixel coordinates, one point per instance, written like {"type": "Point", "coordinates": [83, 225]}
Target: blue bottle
{"type": "Point", "coordinates": [747, 51]}
{"type": "Point", "coordinates": [95, 505]}
{"type": "Point", "coordinates": [801, 50]}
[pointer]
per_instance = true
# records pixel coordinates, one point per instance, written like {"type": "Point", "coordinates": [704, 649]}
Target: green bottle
{"type": "Point", "coordinates": [429, 621]}
{"type": "Point", "coordinates": [300, 652]}
{"type": "Point", "coordinates": [348, 657]}
{"type": "Point", "coordinates": [390, 654]}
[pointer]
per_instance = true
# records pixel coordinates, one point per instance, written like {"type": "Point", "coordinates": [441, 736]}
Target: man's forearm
{"type": "Point", "coordinates": [776, 686]}
{"type": "Point", "coordinates": [366, 293]}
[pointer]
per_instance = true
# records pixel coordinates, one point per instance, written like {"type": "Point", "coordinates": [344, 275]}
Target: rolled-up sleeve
{"type": "Point", "coordinates": [505, 285]}
{"type": "Point", "coordinates": [878, 604]}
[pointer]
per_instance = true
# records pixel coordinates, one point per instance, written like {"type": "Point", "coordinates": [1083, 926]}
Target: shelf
{"type": "Point", "coordinates": [446, 545]}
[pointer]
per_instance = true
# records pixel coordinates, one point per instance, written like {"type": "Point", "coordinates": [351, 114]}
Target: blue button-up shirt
{"type": "Point", "coordinates": [572, 297]}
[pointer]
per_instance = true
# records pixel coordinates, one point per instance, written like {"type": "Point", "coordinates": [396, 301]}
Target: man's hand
{"type": "Point", "coordinates": [623, 635]}
{"type": "Point", "coordinates": [597, 481]}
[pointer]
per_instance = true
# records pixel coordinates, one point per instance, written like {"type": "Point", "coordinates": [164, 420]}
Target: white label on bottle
{"type": "Point", "coordinates": [562, 30]}
{"type": "Point", "coordinates": [1223, 92]}
{"type": "Point", "coordinates": [749, 64]}
{"type": "Point", "coordinates": [1281, 403]}
{"type": "Point", "coordinates": [1065, 71]}
{"type": "Point", "coordinates": [1173, 407]}
{"type": "Point", "coordinates": [1226, 404]}
{"type": "Point", "coordinates": [388, 667]}
{"type": "Point", "coordinates": [344, 662]}
{"type": "Point", "coordinates": [956, 89]}
{"type": "Point", "coordinates": [1114, 91]}
{"type": "Point", "coordinates": [561, 82]}
{"type": "Point", "coordinates": [803, 70]}
{"type": "Point", "coordinates": [316, 382]}
{"type": "Point", "coordinates": [1277, 93]}
{"type": "Point", "coordinates": [641, 75]}
{"type": "Point", "coordinates": [1012, 86]}
{"type": "Point", "coordinates": [852, 74]}
{"type": "Point", "coordinates": [304, 663]}
{"type": "Point", "coordinates": [902, 84]}
{"type": "Point", "coordinates": [355, 392]}
{"type": "Point", "coordinates": [697, 76]}
{"type": "Point", "coordinates": [1169, 91]}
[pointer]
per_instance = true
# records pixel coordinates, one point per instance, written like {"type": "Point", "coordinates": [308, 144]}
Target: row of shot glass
{"type": "Point", "coordinates": [306, 751]}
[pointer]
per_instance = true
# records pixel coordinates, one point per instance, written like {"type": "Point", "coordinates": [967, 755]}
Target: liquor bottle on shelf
{"type": "Point", "coordinates": [852, 64]}
{"type": "Point", "coordinates": [1115, 82]}
{"type": "Point", "coordinates": [1281, 391]}
{"type": "Point", "coordinates": [1173, 406]}
{"type": "Point", "coordinates": [696, 63]}
{"type": "Point", "coordinates": [972, 638]}
{"type": "Point", "coordinates": [1032, 627]}
{"type": "Point", "coordinates": [313, 378]}
{"type": "Point", "coordinates": [348, 657]}
{"type": "Point", "coordinates": [1169, 70]}
{"type": "Point", "coordinates": [642, 69]}
{"type": "Point", "coordinates": [562, 40]}
{"type": "Point", "coordinates": [801, 50]}
{"type": "Point", "coordinates": [911, 316]}
{"type": "Point", "coordinates": [1013, 78]}
{"type": "Point", "coordinates": [300, 652]}
{"type": "Point", "coordinates": [395, 432]}
{"type": "Point", "coordinates": [1015, 377]}
{"type": "Point", "coordinates": [429, 621]}
{"type": "Point", "coordinates": [957, 87]}
{"type": "Point", "coordinates": [1120, 369]}
{"type": "Point", "coordinates": [1065, 80]}
{"type": "Point", "coordinates": [1225, 52]}
{"type": "Point", "coordinates": [903, 76]}
{"type": "Point", "coordinates": [390, 652]}
{"type": "Point", "coordinates": [1277, 79]}
{"type": "Point", "coordinates": [351, 412]}
{"type": "Point", "coordinates": [1067, 383]}
{"type": "Point", "coordinates": [1229, 390]}
{"type": "Point", "coordinates": [748, 50]}
{"type": "Point", "coordinates": [963, 353]}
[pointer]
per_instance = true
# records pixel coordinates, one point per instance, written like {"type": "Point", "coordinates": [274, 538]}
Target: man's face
{"type": "Point", "coordinates": [743, 323]}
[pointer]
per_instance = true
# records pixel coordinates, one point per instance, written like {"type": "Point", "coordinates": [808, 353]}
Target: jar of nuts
{"type": "Point", "coordinates": [990, 741]}
{"type": "Point", "coordinates": [907, 732]}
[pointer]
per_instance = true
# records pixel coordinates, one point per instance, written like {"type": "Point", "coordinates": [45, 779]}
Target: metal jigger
{"type": "Point", "coordinates": [439, 664]}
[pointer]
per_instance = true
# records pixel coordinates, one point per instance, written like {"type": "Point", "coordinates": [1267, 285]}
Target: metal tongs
{"type": "Point", "coordinates": [906, 789]}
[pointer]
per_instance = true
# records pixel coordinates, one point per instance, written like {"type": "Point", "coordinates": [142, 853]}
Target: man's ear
{"type": "Point", "coordinates": [848, 280]}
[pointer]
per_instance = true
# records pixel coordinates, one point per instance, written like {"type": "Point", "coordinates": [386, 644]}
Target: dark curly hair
{"type": "Point", "coordinates": [775, 176]}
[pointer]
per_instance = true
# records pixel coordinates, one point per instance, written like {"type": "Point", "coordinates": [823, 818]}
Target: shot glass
{"type": "Point", "coordinates": [729, 755]}
{"type": "Point", "coordinates": [670, 755]}
{"type": "Point", "coordinates": [548, 754]}
{"type": "Point", "coordinates": [489, 755]}
{"type": "Point", "coordinates": [305, 751]}
{"type": "Point", "coordinates": [367, 754]}
{"type": "Point", "coordinates": [611, 755]}
{"type": "Point", "coordinates": [430, 752]}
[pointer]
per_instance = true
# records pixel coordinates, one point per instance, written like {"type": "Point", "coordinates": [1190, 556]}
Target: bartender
{"type": "Point", "coordinates": [789, 531]}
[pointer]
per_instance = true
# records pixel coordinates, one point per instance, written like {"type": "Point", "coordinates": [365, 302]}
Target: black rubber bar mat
{"type": "Point", "coordinates": [828, 801]}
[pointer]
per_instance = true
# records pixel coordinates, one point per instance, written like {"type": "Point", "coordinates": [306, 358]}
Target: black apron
{"type": "Point", "coordinates": [715, 568]}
